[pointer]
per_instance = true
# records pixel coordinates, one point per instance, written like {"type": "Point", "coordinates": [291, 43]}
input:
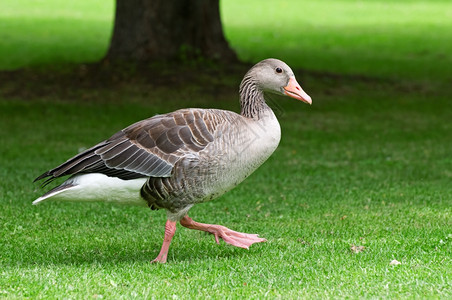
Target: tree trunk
{"type": "Point", "coordinates": [168, 29]}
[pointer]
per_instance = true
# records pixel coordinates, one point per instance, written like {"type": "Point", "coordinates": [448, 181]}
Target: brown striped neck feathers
{"type": "Point", "coordinates": [252, 100]}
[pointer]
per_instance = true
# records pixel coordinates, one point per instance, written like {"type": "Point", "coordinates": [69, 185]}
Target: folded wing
{"type": "Point", "coordinates": [149, 148]}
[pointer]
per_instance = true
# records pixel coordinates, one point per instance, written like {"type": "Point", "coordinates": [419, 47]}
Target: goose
{"type": "Point", "coordinates": [175, 160]}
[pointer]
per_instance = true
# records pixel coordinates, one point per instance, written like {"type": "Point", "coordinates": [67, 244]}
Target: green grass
{"type": "Point", "coordinates": [379, 179]}
{"type": "Point", "coordinates": [36, 33]}
{"type": "Point", "coordinates": [368, 164]}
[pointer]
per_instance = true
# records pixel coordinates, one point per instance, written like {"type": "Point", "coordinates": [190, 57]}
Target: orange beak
{"type": "Point", "coordinates": [294, 90]}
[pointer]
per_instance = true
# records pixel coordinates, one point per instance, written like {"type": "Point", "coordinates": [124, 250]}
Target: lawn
{"type": "Point", "coordinates": [368, 164]}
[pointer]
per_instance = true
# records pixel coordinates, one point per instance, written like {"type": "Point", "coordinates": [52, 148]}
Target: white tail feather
{"type": "Point", "coordinates": [97, 187]}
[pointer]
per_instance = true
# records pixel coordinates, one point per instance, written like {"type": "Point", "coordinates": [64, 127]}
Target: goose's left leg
{"type": "Point", "coordinates": [170, 229]}
{"type": "Point", "coordinates": [238, 239]}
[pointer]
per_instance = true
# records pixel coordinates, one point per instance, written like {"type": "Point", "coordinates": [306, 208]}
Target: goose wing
{"type": "Point", "coordinates": [149, 148]}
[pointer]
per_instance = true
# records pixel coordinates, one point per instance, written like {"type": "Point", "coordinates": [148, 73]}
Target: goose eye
{"type": "Point", "coordinates": [278, 70]}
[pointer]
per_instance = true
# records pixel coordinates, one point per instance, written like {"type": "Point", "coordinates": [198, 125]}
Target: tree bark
{"type": "Point", "coordinates": [167, 30]}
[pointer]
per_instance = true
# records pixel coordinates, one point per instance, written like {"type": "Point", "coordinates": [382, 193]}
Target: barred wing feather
{"type": "Point", "coordinates": [149, 148]}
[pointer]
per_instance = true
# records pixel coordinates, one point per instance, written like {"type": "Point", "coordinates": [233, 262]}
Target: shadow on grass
{"type": "Point", "coordinates": [69, 81]}
{"type": "Point", "coordinates": [87, 82]}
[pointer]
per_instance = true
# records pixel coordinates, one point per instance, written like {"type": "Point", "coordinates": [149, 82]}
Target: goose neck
{"type": "Point", "coordinates": [252, 101]}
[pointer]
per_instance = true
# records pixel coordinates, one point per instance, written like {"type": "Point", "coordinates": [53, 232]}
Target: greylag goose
{"type": "Point", "coordinates": [175, 160]}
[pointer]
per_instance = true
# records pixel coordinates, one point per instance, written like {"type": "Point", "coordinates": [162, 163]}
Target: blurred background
{"type": "Point", "coordinates": [399, 39]}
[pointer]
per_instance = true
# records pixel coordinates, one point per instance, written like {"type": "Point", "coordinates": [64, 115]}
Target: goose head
{"type": "Point", "coordinates": [276, 77]}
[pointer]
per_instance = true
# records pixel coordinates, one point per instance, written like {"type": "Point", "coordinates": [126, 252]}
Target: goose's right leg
{"type": "Point", "coordinates": [238, 239]}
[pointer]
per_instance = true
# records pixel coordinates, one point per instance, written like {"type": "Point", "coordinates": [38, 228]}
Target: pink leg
{"type": "Point", "coordinates": [238, 239]}
{"type": "Point", "coordinates": [170, 229]}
